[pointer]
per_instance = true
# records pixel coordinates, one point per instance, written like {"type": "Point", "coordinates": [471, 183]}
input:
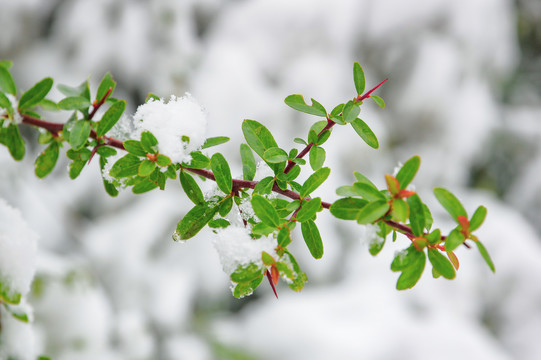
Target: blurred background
{"type": "Point", "coordinates": [463, 93]}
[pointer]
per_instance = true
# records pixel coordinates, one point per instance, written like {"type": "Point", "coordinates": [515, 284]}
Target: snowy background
{"type": "Point", "coordinates": [463, 93]}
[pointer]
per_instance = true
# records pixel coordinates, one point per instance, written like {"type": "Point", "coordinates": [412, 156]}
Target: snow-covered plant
{"type": "Point", "coordinates": [253, 218]}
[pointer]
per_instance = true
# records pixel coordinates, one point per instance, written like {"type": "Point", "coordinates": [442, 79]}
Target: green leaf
{"type": "Point", "coordinates": [109, 186]}
{"type": "Point", "coordinates": [146, 167]}
{"type": "Point", "coordinates": [477, 218]}
{"type": "Point", "coordinates": [213, 141]}
{"type": "Point", "coordinates": [372, 211]}
{"type": "Point", "coordinates": [79, 134]}
{"type": "Point", "coordinates": [265, 211]}
{"type": "Point", "coordinates": [218, 223]}
{"type": "Point", "coordinates": [222, 173]}
{"type": "Point", "coordinates": [346, 190]}
{"type": "Point", "coordinates": [6, 81]}
{"type": "Point", "coordinates": [297, 102]}
{"type": "Point", "coordinates": [106, 83]}
{"type": "Point", "coordinates": [400, 210]}
{"type": "Point", "coordinates": [485, 255]}
{"type": "Point", "coordinates": [434, 237]}
{"type": "Point", "coordinates": [11, 137]}
{"type": "Point", "coordinates": [368, 191]}
{"type": "Point", "coordinates": [47, 160]}
{"type": "Point", "coordinates": [144, 186]}
{"type": "Point", "coordinates": [128, 165]}
{"type": "Point", "coordinates": [264, 186]}
{"type": "Point", "coordinates": [407, 171]}
{"type": "Point", "coordinates": [149, 141]}
{"type": "Point", "coordinates": [74, 103]}
{"type": "Point", "coordinates": [6, 64]}
{"type": "Point", "coordinates": [361, 178]}
{"type": "Point", "coordinates": [110, 118]}
{"type": "Point", "coordinates": [37, 93]}
{"type": "Point", "coordinates": [347, 208]}
{"type": "Point", "coordinates": [300, 141]}
{"type": "Point", "coordinates": [379, 101]}
{"type": "Point", "coordinates": [284, 237]}
{"type": "Point", "coordinates": [48, 105]}
{"type": "Point", "coordinates": [323, 136]}
{"type": "Point", "coordinates": [317, 157]}
{"type": "Point", "coordinates": [312, 238]}
{"type": "Point", "coordinates": [411, 263]}
{"type": "Point", "coordinates": [375, 246]}
{"type": "Point", "coordinates": [454, 240]}
{"type": "Point", "coordinates": [199, 161]}
{"type": "Point", "coordinates": [190, 187]}
{"type": "Point", "coordinates": [442, 265]}
{"type": "Point", "coordinates": [162, 160]}
{"type": "Point", "coordinates": [195, 220]}
{"type": "Point", "coordinates": [365, 133]}
{"type": "Point", "coordinates": [134, 147]}
{"type": "Point", "coordinates": [417, 215]}
{"type": "Point", "coordinates": [225, 206]}
{"type": "Point", "coordinates": [314, 181]}
{"type": "Point", "coordinates": [5, 104]}
{"type": "Point", "coordinates": [248, 162]}
{"type": "Point", "coordinates": [351, 111]}
{"type": "Point", "coordinates": [450, 203]}
{"type": "Point", "coordinates": [309, 210]}
{"type": "Point", "coordinates": [358, 78]}
{"type": "Point", "coordinates": [275, 155]}
{"type": "Point", "coordinates": [292, 175]}
{"type": "Point", "coordinates": [260, 139]}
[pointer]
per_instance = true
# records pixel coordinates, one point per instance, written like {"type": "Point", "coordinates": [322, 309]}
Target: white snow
{"type": "Point", "coordinates": [179, 125]}
{"type": "Point", "coordinates": [236, 248]}
{"type": "Point", "coordinates": [18, 248]}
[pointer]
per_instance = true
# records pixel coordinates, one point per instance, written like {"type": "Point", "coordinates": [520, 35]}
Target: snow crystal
{"type": "Point", "coordinates": [179, 125]}
{"type": "Point", "coordinates": [18, 247]}
{"type": "Point", "coordinates": [236, 247]}
{"type": "Point", "coordinates": [262, 171]}
{"type": "Point", "coordinates": [370, 236]}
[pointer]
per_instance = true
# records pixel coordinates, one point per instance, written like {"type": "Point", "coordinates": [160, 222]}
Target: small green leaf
{"type": "Point", "coordinates": [11, 137]}
{"type": "Point", "coordinates": [297, 102]}
{"type": "Point", "coordinates": [128, 165]}
{"type": "Point", "coordinates": [478, 217]}
{"type": "Point", "coordinates": [199, 161]}
{"type": "Point", "coordinates": [267, 259]}
{"type": "Point", "coordinates": [6, 81]}
{"type": "Point", "coordinates": [144, 186]}
{"type": "Point", "coordinates": [79, 134]}
{"type": "Point", "coordinates": [134, 147]}
{"type": "Point", "coordinates": [312, 238]}
{"type": "Point", "coordinates": [258, 137]}
{"type": "Point", "coordinates": [213, 141]}
{"type": "Point", "coordinates": [378, 100]}
{"type": "Point", "coordinates": [226, 206]}
{"type": "Point", "coordinates": [411, 263]}
{"type": "Point", "coordinates": [347, 208]}
{"type": "Point", "coordinates": [48, 105]}
{"type": "Point", "coordinates": [365, 133]}
{"type": "Point", "coordinates": [314, 181]}
{"type": "Point", "coordinates": [222, 173]}
{"type": "Point", "coordinates": [37, 93]}
{"type": "Point", "coordinates": [368, 191]}
{"type": "Point", "coordinates": [265, 211]}
{"type": "Point", "coordinates": [400, 210]}
{"type": "Point", "coordinates": [6, 104]}
{"type": "Point", "coordinates": [149, 142]}
{"type": "Point", "coordinates": [300, 141]}
{"type": "Point", "coordinates": [106, 83]}
{"type": "Point", "coordinates": [264, 186]}
{"type": "Point", "coordinates": [6, 64]}
{"type": "Point", "coordinates": [373, 211]}
{"type": "Point", "coordinates": [74, 103]}
{"type": "Point", "coordinates": [47, 160]}
{"type": "Point", "coordinates": [485, 255]}
{"type": "Point", "coordinates": [351, 111]}
{"type": "Point", "coordinates": [454, 240]}
{"type": "Point", "coordinates": [417, 215]}
{"type": "Point", "coordinates": [7, 295]}
{"type": "Point", "coordinates": [434, 237]}
{"type": "Point", "coordinates": [292, 175]}
{"type": "Point", "coordinates": [284, 237]}
{"type": "Point", "coordinates": [275, 155]}
{"type": "Point", "coordinates": [110, 118]}
{"type": "Point", "coordinates": [346, 190]}
{"type": "Point", "coordinates": [309, 209]}
{"type": "Point", "coordinates": [248, 162]}
{"type": "Point", "coordinates": [163, 160]}
{"type": "Point", "coordinates": [361, 178]}
{"type": "Point", "coordinates": [450, 203]}
{"type": "Point", "coordinates": [323, 136]}
{"type": "Point", "coordinates": [407, 171]}
{"type": "Point", "coordinates": [358, 78]}
{"type": "Point", "coordinates": [146, 167]}
{"type": "Point", "coordinates": [317, 157]}
{"type": "Point", "coordinates": [442, 265]}
{"type": "Point", "coordinates": [218, 223]}
{"type": "Point", "coordinates": [195, 220]}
